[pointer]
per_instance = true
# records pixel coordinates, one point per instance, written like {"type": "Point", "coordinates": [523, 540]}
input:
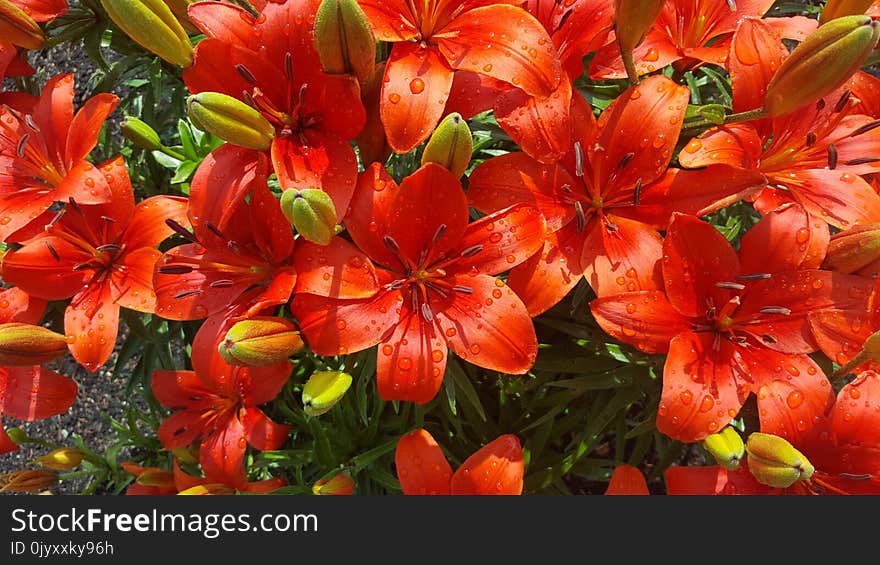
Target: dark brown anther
{"type": "Point", "coordinates": [110, 247]}
{"type": "Point", "coordinates": [188, 293]}
{"type": "Point", "coordinates": [181, 231]}
{"type": "Point", "coordinates": [438, 235]}
{"type": "Point", "coordinates": [215, 230]}
{"type": "Point", "coordinates": [288, 66]}
{"type": "Point", "coordinates": [437, 288]}
{"type": "Point", "coordinates": [52, 251]}
{"type": "Point", "coordinates": [855, 477]}
{"type": "Point", "coordinates": [581, 217]}
{"type": "Point", "coordinates": [624, 161]}
{"type": "Point", "coordinates": [753, 277]}
{"type": "Point", "coordinates": [739, 339]}
{"type": "Point", "coordinates": [83, 266]}
{"type": "Point", "coordinates": [248, 99]}
{"type": "Point", "coordinates": [811, 139]}
{"type": "Point", "coordinates": [841, 104]}
{"type": "Point", "coordinates": [566, 189]}
{"type": "Point", "coordinates": [820, 104]}
{"type": "Point", "coordinates": [391, 244]}
{"type": "Point", "coordinates": [175, 269]}
{"type": "Point", "coordinates": [222, 283]}
{"type": "Point", "coordinates": [29, 120]}
{"type": "Point", "coordinates": [22, 143]}
{"type": "Point", "coordinates": [108, 219]}
{"type": "Point", "coordinates": [471, 251]}
{"type": "Point", "coordinates": [862, 161]}
{"type": "Point", "coordinates": [427, 314]}
{"type": "Point", "coordinates": [637, 193]}
{"type": "Point", "coordinates": [775, 310]}
{"type": "Point", "coordinates": [769, 338]}
{"type": "Point", "coordinates": [730, 285]}
{"type": "Point", "coordinates": [73, 205]}
{"type": "Point", "coordinates": [302, 93]}
{"type": "Point", "coordinates": [865, 128]}
{"type": "Point", "coordinates": [462, 289]}
{"type": "Point", "coordinates": [832, 156]}
{"type": "Point", "coordinates": [57, 217]}
{"type": "Point", "coordinates": [245, 73]}
{"type": "Point", "coordinates": [578, 159]}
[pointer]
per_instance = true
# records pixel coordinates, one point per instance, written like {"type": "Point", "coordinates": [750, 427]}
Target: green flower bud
{"type": "Point", "coordinates": [140, 133]}
{"type": "Point", "coordinates": [450, 145]}
{"type": "Point", "coordinates": [838, 8]}
{"type": "Point", "coordinates": [230, 119]}
{"type": "Point", "coordinates": [775, 462]}
{"type": "Point", "coordinates": [826, 59]}
{"type": "Point", "coordinates": [17, 435]}
{"type": "Point", "coordinates": [311, 212]}
{"type": "Point", "coordinates": [26, 344]}
{"type": "Point", "coordinates": [18, 28]}
{"type": "Point", "coordinates": [260, 341]}
{"type": "Point", "coordinates": [323, 390]}
{"type": "Point", "coordinates": [726, 447]}
{"type": "Point", "coordinates": [344, 39]}
{"type": "Point", "coordinates": [152, 25]}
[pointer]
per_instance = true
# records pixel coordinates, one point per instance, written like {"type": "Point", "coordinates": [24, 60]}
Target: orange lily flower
{"type": "Point", "coordinates": [437, 285]}
{"type": "Point", "coordinates": [691, 33]}
{"type": "Point", "coordinates": [495, 469]}
{"type": "Point", "coordinates": [152, 481]}
{"type": "Point", "coordinates": [841, 332]}
{"type": "Point", "coordinates": [814, 156]}
{"type": "Point", "coordinates": [43, 155]}
{"type": "Point", "coordinates": [29, 393]}
{"type": "Point", "coordinates": [270, 62]}
{"type": "Point", "coordinates": [103, 256]}
{"type": "Point", "coordinates": [12, 63]}
{"type": "Point", "coordinates": [844, 448]}
{"type": "Point", "coordinates": [733, 324]}
{"type": "Point", "coordinates": [431, 39]}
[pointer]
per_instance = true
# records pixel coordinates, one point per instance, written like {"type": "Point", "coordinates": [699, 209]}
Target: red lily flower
{"type": "Point", "coordinates": [604, 201]}
{"type": "Point", "coordinates": [29, 393]}
{"type": "Point", "coordinates": [12, 62]}
{"type": "Point", "coordinates": [844, 448]}
{"type": "Point", "coordinates": [218, 403]}
{"type": "Point", "coordinates": [42, 155]}
{"type": "Point", "coordinates": [241, 251]}
{"type": "Point", "coordinates": [497, 468]}
{"type": "Point", "coordinates": [813, 156]}
{"type": "Point", "coordinates": [431, 39]}
{"type": "Point", "coordinates": [627, 480]}
{"type": "Point", "coordinates": [731, 328]}
{"type": "Point", "coordinates": [841, 332]}
{"type": "Point", "coordinates": [103, 256]}
{"type": "Point", "coordinates": [437, 285]}
{"type": "Point", "coordinates": [270, 62]}
{"type": "Point", "coordinates": [691, 33]}
{"type": "Point", "coordinates": [153, 481]}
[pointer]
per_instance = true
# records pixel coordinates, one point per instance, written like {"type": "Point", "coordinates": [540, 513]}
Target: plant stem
{"type": "Point", "coordinates": [172, 153]}
{"type": "Point", "coordinates": [755, 114]}
{"type": "Point", "coordinates": [630, 66]}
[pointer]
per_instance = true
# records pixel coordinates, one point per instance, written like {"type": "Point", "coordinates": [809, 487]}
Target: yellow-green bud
{"type": "Point", "coordinates": [29, 480]}
{"type": "Point", "coordinates": [633, 19]}
{"type": "Point", "coordinates": [17, 435]}
{"type": "Point", "coordinates": [726, 447]}
{"type": "Point", "coordinates": [179, 9]}
{"type": "Point", "coordinates": [260, 341]}
{"type": "Point", "coordinates": [153, 477]}
{"type": "Point", "coordinates": [450, 145]}
{"type": "Point", "coordinates": [344, 39]}
{"type": "Point", "coordinates": [140, 133]}
{"type": "Point", "coordinates": [26, 344]}
{"type": "Point", "coordinates": [152, 25]}
{"type": "Point", "coordinates": [323, 390]}
{"type": "Point", "coordinates": [838, 8]}
{"type": "Point", "coordinates": [230, 119]}
{"type": "Point", "coordinates": [775, 462]}
{"type": "Point", "coordinates": [853, 249]}
{"type": "Point", "coordinates": [187, 454]}
{"type": "Point", "coordinates": [61, 459]}
{"type": "Point", "coordinates": [826, 59]}
{"type": "Point", "coordinates": [18, 28]}
{"type": "Point", "coordinates": [311, 212]}
{"type": "Point", "coordinates": [340, 484]}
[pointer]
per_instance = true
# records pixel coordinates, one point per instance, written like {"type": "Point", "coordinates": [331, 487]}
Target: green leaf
{"type": "Point", "coordinates": [462, 383]}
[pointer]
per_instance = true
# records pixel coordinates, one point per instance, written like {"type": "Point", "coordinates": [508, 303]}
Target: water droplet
{"type": "Point", "coordinates": [405, 363]}
{"type": "Point", "coordinates": [854, 392]}
{"type": "Point", "coordinates": [437, 356]}
{"type": "Point", "coordinates": [394, 98]}
{"type": "Point", "coordinates": [387, 349]}
{"type": "Point", "coordinates": [340, 324]}
{"type": "Point", "coordinates": [707, 403]}
{"type": "Point", "coordinates": [794, 399]}
{"type": "Point", "coordinates": [416, 86]}
{"type": "Point", "coordinates": [686, 397]}
{"type": "Point", "coordinates": [475, 349]}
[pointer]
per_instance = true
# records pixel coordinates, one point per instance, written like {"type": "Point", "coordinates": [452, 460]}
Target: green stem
{"type": "Point", "coordinates": [755, 114]}
{"type": "Point", "coordinates": [172, 153]}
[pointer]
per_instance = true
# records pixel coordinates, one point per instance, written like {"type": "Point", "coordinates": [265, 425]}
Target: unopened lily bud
{"type": "Point", "coordinates": [61, 459]}
{"type": "Point", "coordinates": [340, 484]}
{"type": "Point", "coordinates": [230, 119]}
{"type": "Point", "coordinates": [153, 477]}
{"type": "Point", "coordinates": [826, 59]}
{"type": "Point", "coordinates": [18, 28]}
{"type": "Point", "coordinates": [152, 25]}
{"type": "Point", "coordinates": [311, 212]}
{"type": "Point", "coordinates": [26, 344]}
{"type": "Point", "coordinates": [27, 480]}
{"type": "Point", "coordinates": [633, 19]}
{"type": "Point", "coordinates": [853, 249]}
{"type": "Point", "coordinates": [344, 39]}
{"type": "Point", "coordinates": [450, 145]}
{"type": "Point", "coordinates": [17, 435]}
{"type": "Point", "coordinates": [179, 9]}
{"type": "Point", "coordinates": [870, 352]}
{"type": "Point", "coordinates": [140, 133]}
{"type": "Point", "coordinates": [775, 462]}
{"type": "Point", "coordinates": [323, 390]}
{"type": "Point", "coordinates": [260, 341]}
{"type": "Point", "coordinates": [187, 454]}
{"type": "Point", "coordinates": [726, 447]}
{"type": "Point", "coordinates": [838, 8]}
{"type": "Point", "coordinates": [209, 489]}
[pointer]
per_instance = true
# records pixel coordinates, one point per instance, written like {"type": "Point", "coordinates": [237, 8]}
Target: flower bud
{"type": "Point", "coordinates": [853, 249]}
{"type": "Point", "coordinates": [154, 477]}
{"type": "Point", "coordinates": [775, 462]}
{"type": "Point", "coordinates": [17, 435]}
{"type": "Point", "coordinates": [633, 19]}
{"type": "Point", "coordinates": [323, 390]}
{"type": "Point", "coordinates": [726, 447]}
{"type": "Point", "coordinates": [344, 39]}
{"type": "Point", "coordinates": [826, 59]}
{"type": "Point", "coordinates": [61, 459]}
{"type": "Point", "coordinates": [838, 8]}
{"type": "Point", "coordinates": [311, 212]}
{"type": "Point", "coordinates": [26, 344]}
{"type": "Point", "coordinates": [18, 28]}
{"type": "Point", "coordinates": [187, 454]}
{"type": "Point", "coordinates": [450, 145]}
{"type": "Point", "coordinates": [179, 9]}
{"type": "Point", "coordinates": [140, 133]}
{"type": "Point", "coordinates": [152, 25]}
{"type": "Point", "coordinates": [208, 489]}
{"type": "Point", "coordinates": [230, 119]}
{"type": "Point", "coordinates": [27, 480]}
{"type": "Point", "coordinates": [260, 341]}
{"type": "Point", "coordinates": [340, 484]}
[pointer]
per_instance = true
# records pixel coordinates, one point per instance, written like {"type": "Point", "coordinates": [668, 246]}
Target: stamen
{"type": "Point", "coordinates": [753, 277]}
{"type": "Point", "coordinates": [391, 244]}
{"type": "Point", "coordinates": [288, 66]}
{"type": "Point", "coordinates": [52, 251]}
{"type": "Point", "coordinates": [108, 219]}
{"type": "Point", "coordinates": [738, 339]}
{"type": "Point", "coordinates": [566, 189]}
{"type": "Point", "coordinates": [175, 269]}
{"type": "Point", "coordinates": [730, 285]}
{"type": "Point", "coordinates": [222, 283]}
{"type": "Point", "coordinates": [57, 218]}
{"type": "Point", "coordinates": [841, 104]}
{"type": "Point", "coordinates": [865, 128]}
{"type": "Point", "coordinates": [302, 93]}
{"type": "Point", "coordinates": [769, 338]}
{"type": "Point", "coordinates": [22, 143]}
{"type": "Point", "coordinates": [462, 289]}
{"type": "Point", "coordinates": [832, 156]}
{"type": "Point", "coordinates": [624, 161]}
{"type": "Point", "coordinates": [862, 161]}
{"type": "Point", "coordinates": [609, 225]}
{"type": "Point", "coordinates": [215, 230]}
{"type": "Point", "coordinates": [83, 266]}
{"type": "Point", "coordinates": [437, 288]}
{"type": "Point", "coordinates": [29, 120]}
{"type": "Point", "coordinates": [427, 314]}
{"type": "Point", "coordinates": [112, 247]}
{"type": "Point", "coordinates": [72, 203]}
{"type": "Point", "coordinates": [578, 159]}
{"type": "Point", "coordinates": [245, 73]}
{"type": "Point", "coordinates": [581, 217]}
{"type": "Point", "coordinates": [188, 293]}
{"type": "Point", "coordinates": [471, 251]}
{"type": "Point", "coordinates": [637, 192]}
{"type": "Point", "coordinates": [775, 310]}
{"type": "Point", "coordinates": [811, 139]}
{"type": "Point", "coordinates": [732, 5]}
{"type": "Point", "coordinates": [820, 104]}
{"type": "Point", "coordinates": [398, 284]}
{"type": "Point", "coordinates": [441, 229]}
{"type": "Point", "coordinates": [181, 231]}
{"type": "Point", "coordinates": [855, 477]}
